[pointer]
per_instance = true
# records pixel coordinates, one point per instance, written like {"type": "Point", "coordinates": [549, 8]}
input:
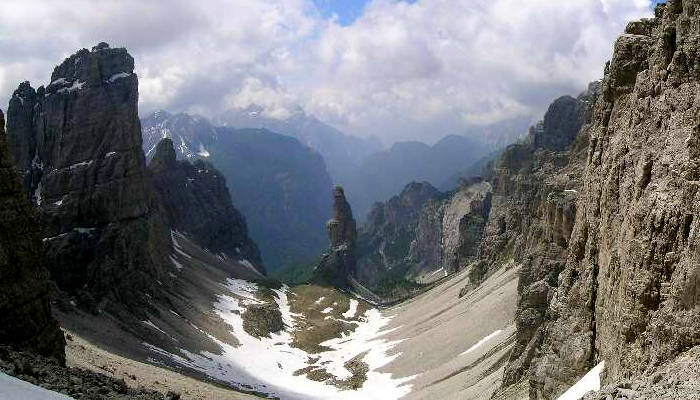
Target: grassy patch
{"type": "Point", "coordinates": [322, 319]}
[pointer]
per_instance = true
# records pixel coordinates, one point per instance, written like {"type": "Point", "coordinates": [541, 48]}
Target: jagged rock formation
{"type": "Point", "coordinates": [24, 285]}
{"type": "Point", "coordinates": [196, 201]}
{"type": "Point", "coordinates": [337, 267]}
{"type": "Point", "coordinates": [629, 292]}
{"type": "Point", "coordinates": [535, 189]}
{"type": "Point", "coordinates": [421, 235]}
{"type": "Point", "coordinates": [381, 175]}
{"type": "Point", "coordinates": [77, 143]}
{"type": "Point", "coordinates": [273, 179]}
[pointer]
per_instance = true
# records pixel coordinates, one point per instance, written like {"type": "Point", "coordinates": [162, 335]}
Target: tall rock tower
{"type": "Point", "coordinates": [338, 265]}
{"type": "Point", "coordinates": [77, 144]}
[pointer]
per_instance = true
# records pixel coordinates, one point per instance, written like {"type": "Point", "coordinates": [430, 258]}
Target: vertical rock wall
{"type": "Point", "coordinates": [629, 293]}
{"type": "Point", "coordinates": [24, 283]}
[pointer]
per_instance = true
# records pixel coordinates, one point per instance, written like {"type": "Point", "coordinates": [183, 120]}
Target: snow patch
{"type": "Point", "coordinates": [81, 164]}
{"type": "Point", "coordinates": [350, 313]}
{"type": "Point", "coordinates": [152, 325]}
{"type": "Point", "coordinates": [320, 299]}
{"type": "Point", "coordinates": [482, 341]}
{"type": "Point", "coordinates": [37, 194]}
{"type": "Point", "coordinates": [203, 152]}
{"type": "Point", "coordinates": [13, 388]}
{"type": "Point", "coordinates": [77, 85]}
{"type": "Point", "coordinates": [327, 310]}
{"type": "Point", "coordinates": [59, 81]}
{"type": "Point", "coordinates": [118, 76]}
{"type": "Point", "coordinates": [177, 265]}
{"type": "Point", "coordinates": [589, 383]}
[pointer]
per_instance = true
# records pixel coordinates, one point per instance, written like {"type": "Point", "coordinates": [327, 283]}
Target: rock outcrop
{"type": "Point", "coordinates": [24, 283]}
{"type": "Point", "coordinates": [77, 143]}
{"type": "Point", "coordinates": [629, 293]}
{"type": "Point", "coordinates": [195, 201]}
{"type": "Point", "coordinates": [337, 267]}
{"type": "Point", "coordinates": [421, 235]}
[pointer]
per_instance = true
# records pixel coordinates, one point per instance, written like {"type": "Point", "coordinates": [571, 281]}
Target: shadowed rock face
{"type": "Point", "coordinates": [421, 235]}
{"type": "Point", "coordinates": [78, 147]}
{"type": "Point", "coordinates": [629, 292]}
{"type": "Point", "coordinates": [196, 201]}
{"type": "Point", "coordinates": [338, 266]}
{"type": "Point", "coordinates": [24, 286]}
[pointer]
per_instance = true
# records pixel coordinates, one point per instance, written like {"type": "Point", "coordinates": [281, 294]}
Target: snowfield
{"type": "Point", "coordinates": [589, 383]}
{"type": "Point", "coordinates": [268, 365]}
{"type": "Point", "coordinates": [13, 388]}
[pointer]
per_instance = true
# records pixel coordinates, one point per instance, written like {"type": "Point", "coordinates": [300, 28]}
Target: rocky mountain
{"type": "Point", "coordinates": [628, 293]}
{"type": "Point", "coordinates": [275, 181]}
{"type": "Point", "coordinates": [192, 134]}
{"type": "Point", "coordinates": [343, 153]}
{"type": "Point", "coordinates": [339, 264]}
{"type": "Point", "coordinates": [196, 201]}
{"type": "Point", "coordinates": [77, 143]}
{"type": "Point", "coordinates": [385, 173]}
{"type": "Point", "coordinates": [420, 236]}
{"type": "Point", "coordinates": [27, 322]}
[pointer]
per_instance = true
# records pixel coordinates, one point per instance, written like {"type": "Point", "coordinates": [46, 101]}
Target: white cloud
{"type": "Point", "coordinates": [400, 71]}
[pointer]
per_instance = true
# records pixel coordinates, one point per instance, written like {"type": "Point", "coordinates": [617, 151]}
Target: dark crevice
{"type": "Point", "coordinates": [687, 223]}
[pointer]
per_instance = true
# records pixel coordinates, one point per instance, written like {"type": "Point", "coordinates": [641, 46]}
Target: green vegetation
{"type": "Point", "coordinates": [317, 326]}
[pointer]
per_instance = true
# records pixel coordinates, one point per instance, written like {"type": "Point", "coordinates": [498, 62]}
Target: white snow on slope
{"type": "Point", "coordinates": [482, 341]}
{"type": "Point", "coordinates": [203, 151]}
{"type": "Point", "coordinates": [589, 383]}
{"type": "Point", "coordinates": [350, 313]}
{"type": "Point", "coordinates": [268, 364]}
{"type": "Point", "coordinates": [13, 388]}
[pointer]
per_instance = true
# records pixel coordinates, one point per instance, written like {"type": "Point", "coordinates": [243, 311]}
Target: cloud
{"type": "Point", "coordinates": [402, 70]}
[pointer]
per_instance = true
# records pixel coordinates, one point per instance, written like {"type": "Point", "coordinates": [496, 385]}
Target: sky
{"type": "Point", "coordinates": [400, 70]}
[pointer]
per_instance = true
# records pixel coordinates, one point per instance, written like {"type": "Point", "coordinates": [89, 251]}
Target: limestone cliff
{"type": "Point", "coordinates": [195, 201]}
{"type": "Point", "coordinates": [629, 292]}
{"type": "Point", "coordinates": [77, 143]}
{"type": "Point", "coordinates": [535, 188]}
{"type": "Point", "coordinates": [24, 285]}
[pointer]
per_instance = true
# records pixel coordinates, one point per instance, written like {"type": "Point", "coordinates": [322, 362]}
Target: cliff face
{"type": "Point", "coordinates": [337, 267]}
{"type": "Point", "coordinates": [196, 201]}
{"type": "Point", "coordinates": [78, 147]}
{"type": "Point", "coordinates": [535, 189]}
{"type": "Point", "coordinates": [629, 293]}
{"type": "Point", "coordinates": [421, 235]}
{"type": "Point", "coordinates": [24, 286]}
